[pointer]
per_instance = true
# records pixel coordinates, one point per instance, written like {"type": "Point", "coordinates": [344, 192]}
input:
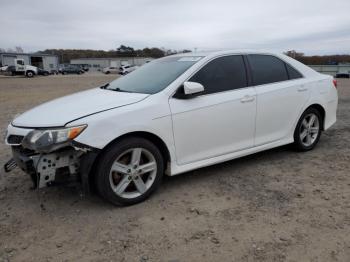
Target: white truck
{"type": "Point", "coordinates": [21, 69]}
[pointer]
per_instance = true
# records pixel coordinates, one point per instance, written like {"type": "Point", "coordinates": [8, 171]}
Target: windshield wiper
{"type": "Point", "coordinates": [104, 86]}
{"type": "Point", "coordinates": [120, 90]}
{"type": "Point", "coordinates": [117, 89]}
{"type": "Point", "coordinates": [114, 89]}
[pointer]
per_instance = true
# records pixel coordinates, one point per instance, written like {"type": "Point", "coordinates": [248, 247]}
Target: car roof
{"type": "Point", "coordinates": [306, 71]}
{"type": "Point", "coordinates": [226, 52]}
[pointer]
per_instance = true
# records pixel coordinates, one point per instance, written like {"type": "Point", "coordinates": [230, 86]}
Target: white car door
{"type": "Point", "coordinates": [219, 121]}
{"type": "Point", "coordinates": [281, 95]}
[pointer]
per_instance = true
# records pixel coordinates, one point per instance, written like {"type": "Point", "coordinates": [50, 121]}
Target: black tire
{"type": "Point", "coordinates": [108, 72]}
{"type": "Point", "coordinates": [102, 176]}
{"type": "Point", "coordinates": [299, 144]}
{"type": "Point", "coordinates": [29, 74]}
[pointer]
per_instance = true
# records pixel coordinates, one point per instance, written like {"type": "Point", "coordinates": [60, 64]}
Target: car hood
{"type": "Point", "coordinates": [60, 111]}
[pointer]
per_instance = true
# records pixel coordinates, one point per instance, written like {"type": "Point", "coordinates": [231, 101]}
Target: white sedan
{"type": "Point", "coordinates": [110, 70]}
{"type": "Point", "coordinates": [170, 116]}
{"type": "Point", "coordinates": [126, 69]}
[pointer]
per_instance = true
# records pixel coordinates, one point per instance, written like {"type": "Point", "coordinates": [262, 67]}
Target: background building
{"type": "Point", "coordinates": [97, 64]}
{"type": "Point", "coordinates": [332, 69]}
{"type": "Point", "coordinates": [44, 61]}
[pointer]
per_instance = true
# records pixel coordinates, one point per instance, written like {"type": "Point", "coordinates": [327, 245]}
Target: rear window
{"type": "Point", "coordinates": [293, 73]}
{"type": "Point", "coordinates": [267, 69]}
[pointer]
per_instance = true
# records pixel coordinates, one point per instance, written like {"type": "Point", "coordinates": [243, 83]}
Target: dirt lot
{"type": "Point", "coordinates": [277, 205]}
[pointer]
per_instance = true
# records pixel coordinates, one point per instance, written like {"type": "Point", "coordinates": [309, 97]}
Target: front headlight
{"type": "Point", "coordinates": [49, 140]}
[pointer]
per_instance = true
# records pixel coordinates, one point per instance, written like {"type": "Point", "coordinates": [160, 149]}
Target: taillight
{"type": "Point", "coordinates": [335, 83]}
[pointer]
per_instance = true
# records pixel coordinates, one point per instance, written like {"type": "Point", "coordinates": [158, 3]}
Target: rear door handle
{"type": "Point", "coordinates": [302, 89]}
{"type": "Point", "coordinates": [247, 99]}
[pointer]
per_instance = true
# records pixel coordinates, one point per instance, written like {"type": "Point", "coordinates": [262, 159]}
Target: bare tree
{"type": "Point", "coordinates": [19, 50]}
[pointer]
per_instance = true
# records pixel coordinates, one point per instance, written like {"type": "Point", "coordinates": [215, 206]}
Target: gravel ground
{"type": "Point", "coordinates": [277, 205]}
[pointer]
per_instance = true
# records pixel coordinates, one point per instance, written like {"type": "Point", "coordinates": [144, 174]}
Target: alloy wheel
{"type": "Point", "coordinates": [309, 129]}
{"type": "Point", "coordinates": [133, 173]}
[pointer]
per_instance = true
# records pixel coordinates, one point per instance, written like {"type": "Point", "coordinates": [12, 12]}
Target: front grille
{"type": "Point", "coordinates": [14, 139]}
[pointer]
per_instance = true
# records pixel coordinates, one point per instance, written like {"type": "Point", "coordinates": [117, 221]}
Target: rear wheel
{"type": "Point", "coordinates": [129, 171]}
{"type": "Point", "coordinates": [308, 130]}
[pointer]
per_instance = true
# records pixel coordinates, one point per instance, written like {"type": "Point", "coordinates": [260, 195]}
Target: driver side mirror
{"type": "Point", "coordinates": [189, 90]}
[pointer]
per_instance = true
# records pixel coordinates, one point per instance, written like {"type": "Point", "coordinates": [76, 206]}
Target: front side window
{"type": "Point", "coordinates": [267, 69]}
{"type": "Point", "coordinates": [155, 76]}
{"type": "Point", "coordinates": [222, 74]}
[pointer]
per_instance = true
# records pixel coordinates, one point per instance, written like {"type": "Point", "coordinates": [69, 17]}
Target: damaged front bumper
{"type": "Point", "coordinates": [70, 164]}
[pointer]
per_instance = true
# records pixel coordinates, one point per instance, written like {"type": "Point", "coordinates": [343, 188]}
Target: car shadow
{"type": "Point", "coordinates": [73, 196]}
{"type": "Point", "coordinates": [212, 170]}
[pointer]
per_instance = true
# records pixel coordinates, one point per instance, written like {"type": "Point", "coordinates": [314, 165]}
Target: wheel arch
{"type": "Point", "coordinates": [149, 136]}
{"type": "Point", "coordinates": [143, 134]}
{"type": "Point", "coordinates": [320, 109]}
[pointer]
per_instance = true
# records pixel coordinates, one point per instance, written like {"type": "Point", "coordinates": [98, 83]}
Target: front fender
{"type": "Point", "coordinates": [105, 127]}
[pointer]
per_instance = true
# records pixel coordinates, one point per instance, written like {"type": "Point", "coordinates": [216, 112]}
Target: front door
{"type": "Point", "coordinates": [219, 121]}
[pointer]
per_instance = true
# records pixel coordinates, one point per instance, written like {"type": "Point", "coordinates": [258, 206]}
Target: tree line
{"type": "Point", "coordinates": [319, 60]}
{"type": "Point", "coordinates": [65, 55]}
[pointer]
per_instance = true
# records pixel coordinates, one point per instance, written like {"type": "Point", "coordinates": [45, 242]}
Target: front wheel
{"type": "Point", "coordinates": [29, 74]}
{"type": "Point", "coordinates": [308, 130]}
{"type": "Point", "coordinates": [129, 171]}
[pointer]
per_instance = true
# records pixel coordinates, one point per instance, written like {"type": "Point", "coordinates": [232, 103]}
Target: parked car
{"type": "Point", "coordinates": [71, 69]}
{"type": "Point", "coordinates": [3, 68]}
{"type": "Point", "coordinates": [172, 115]}
{"type": "Point", "coordinates": [85, 67]}
{"type": "Point", "coordinates": [343, 75]}
{"type": "Point", "coordinates": [110, 70]}
{"type": "Point", "coordinates": [126, 69]}
{"type": "Point", "coordinates": [43, 72]}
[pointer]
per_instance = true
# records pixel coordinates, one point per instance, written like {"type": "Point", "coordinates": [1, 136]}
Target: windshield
{"type": "Point", "coordinates": [153, 77]}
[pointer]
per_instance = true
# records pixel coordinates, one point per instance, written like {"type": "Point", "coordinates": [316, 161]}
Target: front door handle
{"type": "Point", "coordinates": [247, 99]}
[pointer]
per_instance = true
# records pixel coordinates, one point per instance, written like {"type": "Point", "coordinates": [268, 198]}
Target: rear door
{"type": "Point", "coordinates": [219, 121]}
{"type": "Point", "coordinates": [281, 95]}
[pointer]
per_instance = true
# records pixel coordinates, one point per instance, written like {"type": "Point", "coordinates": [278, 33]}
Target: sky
{"type": "Point", "coordinates": [309, 26]}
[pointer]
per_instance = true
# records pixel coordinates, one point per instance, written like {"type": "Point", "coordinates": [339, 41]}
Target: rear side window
{"type": "Point", "coordinates": [222, 74]}
{"type": "Point", "coordinates": [267, 69]}
{"type": "Point", "coordinates": [293, 73]}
